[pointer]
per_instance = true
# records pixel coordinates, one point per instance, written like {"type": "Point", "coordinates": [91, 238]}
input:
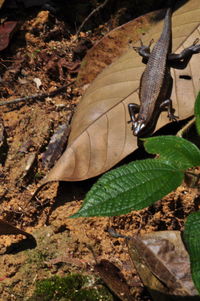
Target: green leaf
{"type": "Point", "coordinates": [130, 187]}
{"type": "Point", "coordinates": [197, 113]}
{"type": "Point", "coordinates": [176, 150]}
{"type": "Point", "coordinates": [192, 240]}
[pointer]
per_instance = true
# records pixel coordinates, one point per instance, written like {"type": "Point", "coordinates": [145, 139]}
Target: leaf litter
{"type": "Point", "coordinates": [29, 128]}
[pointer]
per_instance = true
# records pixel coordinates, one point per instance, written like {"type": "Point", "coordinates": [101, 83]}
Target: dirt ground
{"type": "Point", "coordinates": [41, 57]}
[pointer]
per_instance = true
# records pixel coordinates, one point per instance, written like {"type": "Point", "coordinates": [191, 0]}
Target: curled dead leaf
{"type": "Point", "coordinates": [6, 31]}
{"type": "Point", "coordinates": [114, 279]}
{"type": "Point", "coordinates": [8, 229]}
{"type": "Point", "coordinates": [163, 264]}
{"type": "Point", "coordinates": [100, 134]}
{"type": "Point", "coordinates": [56, 145]}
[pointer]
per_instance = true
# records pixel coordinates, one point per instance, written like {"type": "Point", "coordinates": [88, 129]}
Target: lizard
{"type": "Point", "coordinates": [156, 81]}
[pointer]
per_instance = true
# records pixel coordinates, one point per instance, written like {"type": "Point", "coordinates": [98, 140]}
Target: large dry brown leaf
{"type": "Point", "coordinates": [113, 45]}
{"type": "Point", "coordinates": [163, 264]}
{"type": "Point", "coordinates": [100, 135]}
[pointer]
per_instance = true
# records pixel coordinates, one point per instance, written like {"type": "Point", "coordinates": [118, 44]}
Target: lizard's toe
{"type": "Point", "coordinates": [172, 117]}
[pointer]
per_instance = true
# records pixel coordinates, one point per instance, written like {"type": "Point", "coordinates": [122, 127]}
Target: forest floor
{"type": "Point", "coordinates": [42, 56]}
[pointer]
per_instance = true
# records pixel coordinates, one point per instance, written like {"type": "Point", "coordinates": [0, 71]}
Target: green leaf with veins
{"type": "Point", "coordinates": [197, 113]}
{"type": "Point", "coordinates": [192, 241]}
{"type": "Point", "coordinates": [179, 152]}
{"type": "Point", "coordinates": [131, 187]}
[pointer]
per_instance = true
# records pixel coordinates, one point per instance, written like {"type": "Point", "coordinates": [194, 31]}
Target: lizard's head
{"type": "Point", "coordinates": [138, 126]}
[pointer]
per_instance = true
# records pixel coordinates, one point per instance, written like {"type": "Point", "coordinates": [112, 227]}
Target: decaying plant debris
{"type": "Point", "coordinates": [45, 47]}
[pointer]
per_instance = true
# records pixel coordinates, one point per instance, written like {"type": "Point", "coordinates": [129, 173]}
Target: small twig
{"type": "Point", "coordinates": [92, 251]}
{"type": "Point", "coordinates": [193, 174]}
{"type": "Point", "coordinates": [36, 96]}
{"type": "Point", "coordinates": [186, 127]}
{"type": "Point", "coordinates": [90, 15]}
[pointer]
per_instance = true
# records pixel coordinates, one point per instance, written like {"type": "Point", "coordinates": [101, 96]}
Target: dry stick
{"type": "Point", "coordinates": [90, 15]}
{"type": "Point", "coordinates": [186, 127]}
{"type": "Point", "coordinates": [36, 96]}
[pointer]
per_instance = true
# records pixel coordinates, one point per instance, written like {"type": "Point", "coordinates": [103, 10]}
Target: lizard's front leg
{"type": "Point", "coordinates": [180, 61]}
{"type": "Point", "coordinates": [167, 104]}
{"type": "Point", "coordinates": [143, 50]}
{"type": "Point", "coordinates": [133, 109]}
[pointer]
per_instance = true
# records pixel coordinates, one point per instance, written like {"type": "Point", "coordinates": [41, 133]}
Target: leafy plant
{"type": "Point", "coordinates": [192, 226]}
{"type": "Point", "coordinates": [141, 183]}
{"type": "Point", "coordinates": [197, 113]}
{"type": "Point", "coordinates": [191, 238]}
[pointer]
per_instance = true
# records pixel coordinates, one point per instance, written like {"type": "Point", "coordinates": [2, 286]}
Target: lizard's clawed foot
{"type": "Point", "coordinates": [172, 117]}
{"type": "Point", "coordinates": [142, 48]}
{"type": "Point", "coordinates": [196, 41]}
{"type": "Point", "coordinates": [137, 48]}
{"type": "Point", "coordinates": [195, 46]}
{"type": "Point", "coordinates": [150, 43]}
{"type": "Point", "coordinates": [130, 121]}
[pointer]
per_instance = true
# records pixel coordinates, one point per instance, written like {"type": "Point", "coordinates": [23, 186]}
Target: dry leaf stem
{"type": "Point", "coordinates": [90, 15]}
{"type": "Point", "coordinates": [36, 96]}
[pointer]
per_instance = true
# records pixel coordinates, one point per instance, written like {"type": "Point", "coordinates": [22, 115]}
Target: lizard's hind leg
{"type": "Point", "coordinates": [180, 61]}
{"type": "Point", "coordinates": [167, 104]}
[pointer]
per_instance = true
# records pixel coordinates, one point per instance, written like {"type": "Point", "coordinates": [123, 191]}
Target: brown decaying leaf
{"type": "Point", "coordinates": [111, 46]}
{"type": "Point", "coordinates": [100, 134]}
{"type": "Point", "coordinates": [6, 31]}
{"type": "Point", "coordinates": [114, 279]}
{"type": "Point", "coordinates": [7, 229]}
{"type": "Point", "coordinates": [1, 3]}
{"type": "Point", "coordinates": [2, 133]}
{"type": "Point", "coordinates": [162, 263]}
{"type": "Point", "coordinates": [56, 145]}
{"type": "Point", "coordinates": [3, 144]}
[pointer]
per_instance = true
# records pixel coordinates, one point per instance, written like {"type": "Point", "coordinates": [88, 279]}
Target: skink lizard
{"type": "Point", "coordinates": [156, 81]}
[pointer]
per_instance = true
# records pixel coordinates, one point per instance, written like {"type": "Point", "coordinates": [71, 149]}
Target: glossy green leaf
{"type": "Point", "coordinates": [177, 151]}
{"type": "Point", "coordinates": [197, 113]}
{"type": "Point", "coordinates": [131, 187]}
{"type": "Point", "coordinates": [192, 240]}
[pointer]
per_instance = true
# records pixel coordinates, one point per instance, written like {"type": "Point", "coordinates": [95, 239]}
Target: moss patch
{"type": "Point", "coordinates": [73, 287]}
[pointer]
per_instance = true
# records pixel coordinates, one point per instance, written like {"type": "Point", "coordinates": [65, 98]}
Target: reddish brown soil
{"type": "Point", "coordinates": [40, 48]}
